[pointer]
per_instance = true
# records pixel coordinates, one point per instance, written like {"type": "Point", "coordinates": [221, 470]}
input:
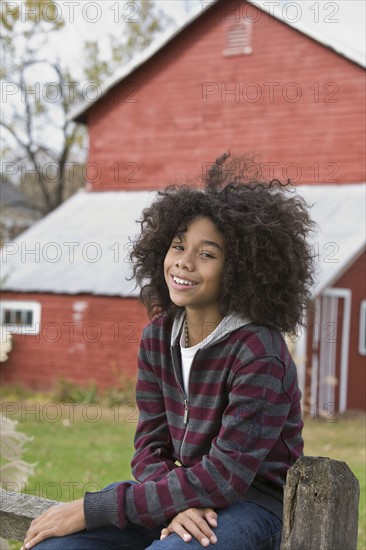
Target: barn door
{"type": "Point", "coordinates": [330, 352]}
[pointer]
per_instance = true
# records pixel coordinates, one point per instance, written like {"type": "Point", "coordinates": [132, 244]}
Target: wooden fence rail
{"type": "Point", "coordinates": [320, 507]}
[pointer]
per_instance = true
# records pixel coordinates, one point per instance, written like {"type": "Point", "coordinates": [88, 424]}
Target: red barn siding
{"type": "Point", "coordinates": [162, 123]}
{"type": "Point", "coordinates": [98, 345]}
{"type": "Point", "coordinates": [353, 279]}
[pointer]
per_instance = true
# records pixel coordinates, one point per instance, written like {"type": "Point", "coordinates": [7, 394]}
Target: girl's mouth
{"type": "Point", "coordinates": [182, 283]}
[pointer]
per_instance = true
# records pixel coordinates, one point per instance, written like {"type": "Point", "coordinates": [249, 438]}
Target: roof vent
{"type": "Point", "coordinates": [239, 39]}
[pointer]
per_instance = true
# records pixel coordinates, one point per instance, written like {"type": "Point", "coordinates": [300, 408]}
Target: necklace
{"type": "Point", "coordinates": [186, 335]}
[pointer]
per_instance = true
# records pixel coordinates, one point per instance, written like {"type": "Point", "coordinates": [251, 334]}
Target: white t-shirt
{"type": "Point", "coordinates": [187, 358]}
{"type": "Point", "coordinates": [189, 353]}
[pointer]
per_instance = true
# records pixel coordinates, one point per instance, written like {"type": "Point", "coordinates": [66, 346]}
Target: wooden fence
{"type": "Point", "coordinates": [320, 507]}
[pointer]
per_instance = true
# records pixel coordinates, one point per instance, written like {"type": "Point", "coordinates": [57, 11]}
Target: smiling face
{"type": "Point", "coordinates": [193, 266]}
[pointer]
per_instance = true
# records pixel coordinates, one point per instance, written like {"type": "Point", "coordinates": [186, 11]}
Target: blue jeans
{"type": "Point", "coordinates": [241, 526]}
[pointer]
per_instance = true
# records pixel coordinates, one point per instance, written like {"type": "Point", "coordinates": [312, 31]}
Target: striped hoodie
{"type": "Point", "coordinates": [232, 438]}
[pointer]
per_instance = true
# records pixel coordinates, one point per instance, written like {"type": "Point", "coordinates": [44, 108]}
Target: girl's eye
{"type": "Point", "coordinates": [177, 246]}
{"type": "Point", "coordinates": [206, 255]}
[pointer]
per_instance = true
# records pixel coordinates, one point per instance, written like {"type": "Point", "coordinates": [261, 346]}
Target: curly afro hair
{"type": "Point", "coordinates": [268, 264]}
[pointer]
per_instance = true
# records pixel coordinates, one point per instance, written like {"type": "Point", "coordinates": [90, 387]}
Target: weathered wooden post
{"type": "Point", "coordinates": [17, 510]}
{"type": "Point", "coordinates": [320, 506]}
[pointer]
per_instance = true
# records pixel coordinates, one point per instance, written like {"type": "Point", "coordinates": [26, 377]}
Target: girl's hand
{"type": "Point", "coordinates": [57, 521]}
{"type": "Point", "coordinates": [194, 522]}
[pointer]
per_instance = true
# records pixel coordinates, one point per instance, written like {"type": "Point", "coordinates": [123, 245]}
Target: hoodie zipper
{"type": "Point", "coordinates": [185, 399]}
{"type": "Point", "coordinates": [186, 411]}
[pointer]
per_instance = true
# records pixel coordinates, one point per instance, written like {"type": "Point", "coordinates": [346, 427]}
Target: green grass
{"type": "Point", "coordinates": [86, 447]}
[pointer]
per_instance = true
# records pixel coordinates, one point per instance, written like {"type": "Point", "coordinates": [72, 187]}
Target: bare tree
{"type": "Point", "coordinates": [37, 138]}
{"type": "Point", "coordinates": [44, 152]}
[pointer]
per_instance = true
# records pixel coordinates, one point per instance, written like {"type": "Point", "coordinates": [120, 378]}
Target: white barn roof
{"type": "Point", "coordinates": [82, 246]}
{"type": "Point", "coordinates": [340, 212]}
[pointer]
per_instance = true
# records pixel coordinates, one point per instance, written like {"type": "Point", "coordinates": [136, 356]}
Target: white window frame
{"type": "Point", "coordinates": [346, 331]}
{"type": "Point", "coordinates": [362, 328]}
{"type": "Point", "coordinates": [21, 305]}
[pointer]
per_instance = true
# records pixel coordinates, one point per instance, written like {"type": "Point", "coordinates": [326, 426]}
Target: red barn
{"type": "Point", "coordinates": [230, 77]}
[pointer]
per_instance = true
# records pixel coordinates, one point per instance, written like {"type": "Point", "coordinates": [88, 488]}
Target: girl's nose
{"type": "Point", "coordinates": [184, 262]}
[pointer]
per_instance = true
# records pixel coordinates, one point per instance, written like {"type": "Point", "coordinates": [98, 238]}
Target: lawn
{"type": "Point", "coordinates": [86, 447]}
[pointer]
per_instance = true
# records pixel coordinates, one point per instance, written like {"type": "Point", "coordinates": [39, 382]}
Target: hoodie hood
{"type": "Point", "coordinates": [229, 323]}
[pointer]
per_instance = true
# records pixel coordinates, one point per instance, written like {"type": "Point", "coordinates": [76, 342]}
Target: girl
{"type": "Point", "coordinates": [223, 272]}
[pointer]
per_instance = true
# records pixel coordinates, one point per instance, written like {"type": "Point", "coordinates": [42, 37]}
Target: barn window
{"type": "Point", "coordinates": [239, 39]}
{"type": "Point", "coordinates": [362, 335]}
{"type": "Point", "coordinates": [20, 317]}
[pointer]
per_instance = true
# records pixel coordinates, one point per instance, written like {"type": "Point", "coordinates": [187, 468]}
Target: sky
{"type": "Point", "coordinates": [342, 21]}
